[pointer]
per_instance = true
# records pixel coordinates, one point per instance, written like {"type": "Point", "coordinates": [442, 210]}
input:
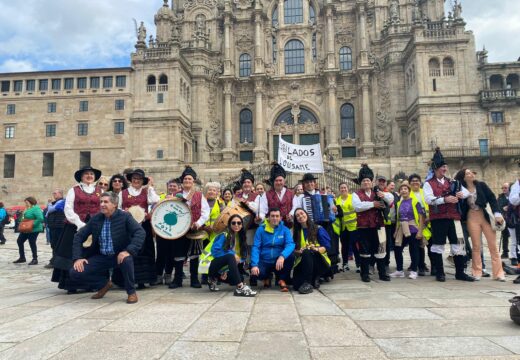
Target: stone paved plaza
{"type": "Point", "coordinates": [346, 319]}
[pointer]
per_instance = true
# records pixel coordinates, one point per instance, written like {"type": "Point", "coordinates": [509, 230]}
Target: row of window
{"type": "Point", "coordinates": [448, 67]}
{"type": "Point", "coordinates": [119, 104]}
{"type": "Point", "coordinates": [50, 129]}
{"type": "Point", "coordinates": [294, 55]}
{"type": "Point", "coordinates": [47, 163]}
{"type": "Point", "coordinates": [293, 13]}
{"type": "Point", "coordinates": [63, 84]}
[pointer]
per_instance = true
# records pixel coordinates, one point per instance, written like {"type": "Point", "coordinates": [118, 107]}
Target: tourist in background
{"type": "Point", "coordinates": [35, 213]}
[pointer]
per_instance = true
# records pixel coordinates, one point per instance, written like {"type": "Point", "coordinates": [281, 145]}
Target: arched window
{"type": "Point", "coordinates": [151, 80]}
{"type": "Point", "coordinates": [285, 118]}
{"type": "Point", "coordinates": [345, 58]}
{"type": "Point", "coordinates": [314, 55]}
{"type": "Point", "coordinates": [244, 63]}
{"type": "Point", "coordinates": [448, 67]}
{"type": "Point", "coordinates": [246, 126]}
{"type": "Point", "coordinates": [512, 81]}
{"type": "Point", "coordinates": [163, 79]}
{"type": "Point", "coordinates": [348, 124]}
{"type": "Point", "coordinates": [275, 49]}
{"type": "Point", "coordinates": [306, 117]}
{"type": "Point", "coordinates": [434, 67]}
{"type": "Point", "coordinates": [293, 11]}
{"type": "Point", "coordinates": [496, 82]}
{"type": "Point", "coordinates": [275, 17]}
{"type": "Point", "coordinates": [312, 15]}
{"type": "Point", "coordinates": [294, 57]}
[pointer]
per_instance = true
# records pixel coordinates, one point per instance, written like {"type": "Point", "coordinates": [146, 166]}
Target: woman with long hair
{"type": "Point", "coordinates": [103, 184]}
{"type": "Point", "coordinates": [479, 222]}
{"type": "Point", "coordinates": [228, 250]}
{"type": "Point", "coordinates": [312, 243]}
{"type": "Point", "coordinates": [32, 212]}
{"type": "Point", "coordinates": [117, 183]}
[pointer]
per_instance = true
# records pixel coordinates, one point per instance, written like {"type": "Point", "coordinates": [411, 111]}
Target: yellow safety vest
{"type": "Point", "coordinates": [349, 219]}
{"type": "Point", "coordinates": [426, 232]}
{"type": "Point", "coordinates": [213, 216]}
{"type": "Point", "coordinates": [303, 245]}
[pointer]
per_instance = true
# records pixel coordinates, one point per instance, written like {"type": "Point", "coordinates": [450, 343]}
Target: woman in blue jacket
{"type": "Point", "coordinates": [228, 249]}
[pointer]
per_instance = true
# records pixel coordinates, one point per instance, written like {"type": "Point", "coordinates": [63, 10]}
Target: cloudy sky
{"type": "Point", "coordinates": [74, 34]}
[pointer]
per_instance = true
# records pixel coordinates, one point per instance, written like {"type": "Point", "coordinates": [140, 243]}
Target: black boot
{"type": "Point", "coordinates": [194, 273]}
{"type": "Point", "coordinates": [177, 278]}
{"type": "Point", "coordinates": [439, 267]}
{"type": "Point", "coordinates": [381, 268]}
{"type": "Point", "coordinates": [459, 269]}
{"type": "Point", "coordinates": [365, 277]}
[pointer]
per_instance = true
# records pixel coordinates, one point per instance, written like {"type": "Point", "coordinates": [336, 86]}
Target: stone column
{"type": "Point", "coordinates": [227, 43]}
{"type": "Point", "coordinates": [363, 35]}
{"type": "Point", "coordinates": [228, 151]}
{"type": "Point", "coordinates": [331, 58]}
{"type": "Point", "coordinates": [259, 40]}
{"type": "Point", "coordinates": [368, 145]}
{"type": "Point", "coordinates": [332, 124]}
{"type": "Point", "coordinates": [259, 151]}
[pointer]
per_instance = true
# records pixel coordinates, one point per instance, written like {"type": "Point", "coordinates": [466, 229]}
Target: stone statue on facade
{"type": "Point", "coordinates": [416, 13]}
{"type": "Point", "coordinates": [457, 10]}
{"type": "Point", "coordinates": [200, 21]}
{"type": "Point", "coordinates": [141, 33]}
{"type": "Point", "coordinates": [394, 12]}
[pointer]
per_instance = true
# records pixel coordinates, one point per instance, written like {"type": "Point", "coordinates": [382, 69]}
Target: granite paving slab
{"type": "Point", "coordinates": [273, 345]}
{"type": "Point", "coordinates": [481, 313]}
{"type": "Point", "coordinates": [217, 326]}
{"type": "Point", "coordinates": [391, 314]}
{"type": "Point", "coordinates": [350, 352]}
{"type": "Point", "coordinates": [333, 331]}
{"type": "Point", "coordinates": [511, 343]}
{"type": "Point", "coordinates": [233, 303]}
{"type": "Point", "coordinates": [316, 304]}
{"type": "Point", "coordinates": [282, 317]}
{"type": "Point", "coordinates": [187, 350]}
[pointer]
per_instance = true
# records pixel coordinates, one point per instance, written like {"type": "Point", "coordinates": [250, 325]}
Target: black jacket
{"type": "Point", "coordinates": [503, 201]}
{"type": "Point", "coordinates": [127, 234]}
{"type": "Point", "coordinates": [484, 196]}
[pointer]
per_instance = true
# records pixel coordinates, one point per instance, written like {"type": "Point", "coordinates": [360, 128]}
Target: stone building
{"type": "Point", "coordinates": [383, 81]}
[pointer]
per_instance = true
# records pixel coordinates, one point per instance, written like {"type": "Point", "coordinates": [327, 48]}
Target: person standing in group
{"type": "Point", "coordinates": [346, 226]}
{"type": "Point", "coordinates": [103, 184]}
{"type": "Point", "coordinates": [443, 199]}
{"type": "Point", "coordinates": [32, 212]}
{"type": "Point", "coordinates": [186, 248]}
{"type": "Point", "coordinates": [503, 202]}
{"type": "Point", "coordinates": [369, 221]}
{"type": "Point", "coordinates": [409, 230]}
{"type": "Point", "coordinates": [424, 245]}
{"type": "Point", "coordinates": [479, 222]}
{"type": "Point", "coordinates": [4, 220]}
{"type": "Point", "coordinates": [81, 203]}
{"type": "Point", "coordinates": [55, 220]}
{"type": "Point", "coordinates": [117, 238]}
{"type": "Point", "coordinates": [279, 196]}
{"type": "Point", "coordinates": [117, 184]}
{"type": "Point", "coordinates": [227, 197]}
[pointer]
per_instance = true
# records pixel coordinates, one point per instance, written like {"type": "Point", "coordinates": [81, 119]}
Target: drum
{"type": "Point", "coordinates": [197, 235]}
{"type": "Point", "coordinates": [137, 213]}
{"type": "Point", "coordinates": [171, 219]}
{"type": "Point", "coordinates": [221, 223]}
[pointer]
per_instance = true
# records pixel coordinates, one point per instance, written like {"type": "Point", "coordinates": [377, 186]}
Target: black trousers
{"type": "Point", "coordinates": [165, 257]}
{"type": "Point", "coordinates": [2, 237]}
{"type": "Point", "coordinates": [442, 229]}
{"type": "Point", "coordinates": [348, 241]}
{"type": "Point", "coordinates": [389, 232]}
{"type": "Point", "coordinates": [312, 265]}
{"type": "Point", "coordinates": [234, 277]}
{"type": "Point", "coordinates": [22, 238]}
{"type": "Point", "coordinates": [413, 243]}
{"type": "Point", "coordinates": [368, 240]}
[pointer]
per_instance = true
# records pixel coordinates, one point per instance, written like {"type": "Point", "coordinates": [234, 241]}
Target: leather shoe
{"type": "Point", "coordinates": [365, 278]}
{"type": "Point", "coordinates": [464, 277]}
{"type": "Point", "coordinates": [384, 277]}
{"type": "Point", "coordinates": [101, 292]}
{"type": "Point", "coordinates": [132, 298]}
{"type": "Point", "coordinates": [440, 278]}
{"type": "Point", "coordinates": [19, 261]}
{"type": "Point", "coordinates": [517, 280]}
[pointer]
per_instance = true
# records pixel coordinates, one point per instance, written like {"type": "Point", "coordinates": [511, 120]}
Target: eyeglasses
{"type": "Point", "coordinates": [117, 180]}
{"type": "Point", "coordinates": [102, 184]}
{"type": "Point", "coordinates": [236, 223]}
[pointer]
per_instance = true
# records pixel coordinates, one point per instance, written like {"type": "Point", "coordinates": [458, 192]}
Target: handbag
{"type": "Point", "coordinates": [26, 226]}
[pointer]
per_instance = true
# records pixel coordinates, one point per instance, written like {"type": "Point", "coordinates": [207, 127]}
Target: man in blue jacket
{"type": "Point", "coordinates": [116, 238]}
{"type": "Point", "coordinates": [273, 250]}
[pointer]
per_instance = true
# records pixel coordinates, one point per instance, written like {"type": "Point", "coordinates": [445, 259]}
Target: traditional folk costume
{"type": "Point", "coordinates": [144, 262]}
{"type": "Point", "coordinates": [442, 218]}
{"type": "Point", "coordinates": [185, 247]}
{"type": "Point", "coordinates": [81, 203]}
{"type": "Point", "coordinates": [369, 220]}
{"type": "Point", "coordinates": [282, 200]}
{"type": "Point", "coordinates": [345, 227]}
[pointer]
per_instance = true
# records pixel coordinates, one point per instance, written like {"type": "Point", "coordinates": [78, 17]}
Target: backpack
{"type": "Point", "coordinates": [514, 311]}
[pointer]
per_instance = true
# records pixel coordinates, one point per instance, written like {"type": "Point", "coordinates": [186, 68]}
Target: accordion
{"type": "Point", "coordinates": [319, 207]}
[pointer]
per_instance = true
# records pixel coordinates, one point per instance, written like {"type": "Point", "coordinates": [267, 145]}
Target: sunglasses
{"type": "Point", "coordinates": [117, 180]}
{"type": "Point", "coordinates": [236, 223]}
{"type": "Point", "coordinates": [102, 184]}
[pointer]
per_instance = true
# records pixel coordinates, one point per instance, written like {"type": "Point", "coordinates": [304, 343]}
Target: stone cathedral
{"type": "Point", "coordinates": [216, 82]}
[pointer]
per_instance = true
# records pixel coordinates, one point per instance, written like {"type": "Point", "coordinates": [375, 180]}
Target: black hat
{"type": "Point", "coordinates": [246, 175]}
{"type": "Point", "coordinates": [365, 173]}
{"type": "Point", "coordinates": [308, 177]}
{"type": "Point", "coordinates": [438, 159]}
{"type": "Point", "coordinates": [79, 173]}
{"type": "Point", "coordinates": [276, 170]}
{"type": "Point", "coordinates": [138, 172]}
{"type": "Point", "coordinates": [188, 171]}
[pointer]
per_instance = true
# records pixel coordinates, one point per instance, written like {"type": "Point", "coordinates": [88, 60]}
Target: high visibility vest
{"type": "Point", "coordinates": [349, 219]}
{"type": "Point", "coordinates": [213, 216]}
{"type": "Point", "coordinates": [426, 232]}
{"type": "Point", "coordinates": [206, 257]}
{"type": "Point", "coordinates": [303, 245]}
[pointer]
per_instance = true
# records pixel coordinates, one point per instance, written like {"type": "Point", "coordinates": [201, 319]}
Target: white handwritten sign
{"type": "Point", "coordinates": [300, 158]}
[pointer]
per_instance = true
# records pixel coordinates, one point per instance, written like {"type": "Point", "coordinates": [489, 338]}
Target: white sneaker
{"type": "Point", "coordinates": [244, 291]}
{"type": "Point", "coordinates": [397, 274]}
{"type": "Point", "coordinates": [477, 278]}
{"type": "Point", "coordinates": [412, 275]}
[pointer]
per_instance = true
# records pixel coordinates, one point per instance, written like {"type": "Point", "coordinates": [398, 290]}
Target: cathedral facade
{"type": "Point", "coordinates": [218, 81]}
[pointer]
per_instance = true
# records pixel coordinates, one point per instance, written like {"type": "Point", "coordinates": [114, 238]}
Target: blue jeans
{"type": "Point", "coordinates": [95, 272]}
{"type": "Point", "coordinates": [22, 238]}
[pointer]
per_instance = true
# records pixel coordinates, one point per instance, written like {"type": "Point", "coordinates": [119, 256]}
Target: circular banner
{"type": "Point", "coordinates": [171, 219]}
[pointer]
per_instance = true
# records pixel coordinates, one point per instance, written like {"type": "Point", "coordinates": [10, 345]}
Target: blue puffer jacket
{"type": "Point", "coordinates": [217, 249]}
{"type": "Point", "coordinates": [271, 243]}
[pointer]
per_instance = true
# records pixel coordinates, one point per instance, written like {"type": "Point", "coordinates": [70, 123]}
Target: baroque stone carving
{"type": "Point", "coordinates": [244, 42]}
{"type": "Point", "coordinates": [383, 134]}
{"type": "Point", "coordinates": [192, 3]}
{"type": "Point", "coordinates": [243, 4]}
{"type": "Point", "coordinates": [213, 135]}
{"type": "Point", "coordinates": [345, 36]}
